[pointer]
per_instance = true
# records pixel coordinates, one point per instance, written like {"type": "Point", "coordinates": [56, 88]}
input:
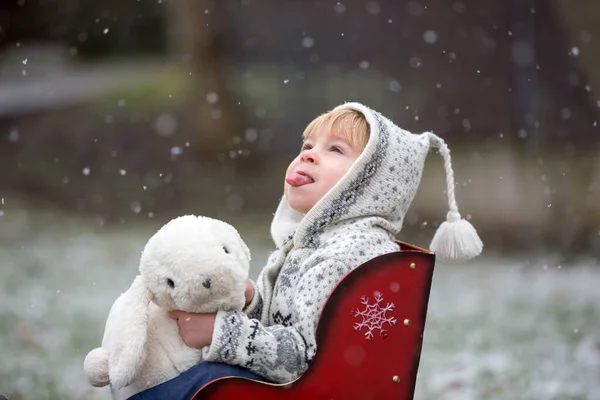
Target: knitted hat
{"type": "Point", "coordinates": [379, 187]}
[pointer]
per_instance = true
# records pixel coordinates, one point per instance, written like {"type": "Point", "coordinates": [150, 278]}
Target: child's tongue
{"type": "Point", "coordinates": [295, 179]}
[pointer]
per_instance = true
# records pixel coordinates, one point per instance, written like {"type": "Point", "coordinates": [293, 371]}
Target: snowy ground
{"type": "Point", "coordinates": [494, 331]}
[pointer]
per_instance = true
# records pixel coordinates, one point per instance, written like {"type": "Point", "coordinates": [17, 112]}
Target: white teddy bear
{"type": "Point", "coordinates": [193, 264]}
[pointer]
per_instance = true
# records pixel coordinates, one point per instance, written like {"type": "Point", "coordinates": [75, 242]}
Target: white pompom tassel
{"type": "Point", "coordinates": [456, 240]}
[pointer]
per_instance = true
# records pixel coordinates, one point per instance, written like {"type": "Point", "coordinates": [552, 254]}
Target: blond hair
{"type": "Point", "coordinates": [347, 123]}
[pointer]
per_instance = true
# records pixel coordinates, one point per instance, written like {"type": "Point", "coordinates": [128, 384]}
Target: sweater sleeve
{"type": "Point", "coordinates": [280, 353]}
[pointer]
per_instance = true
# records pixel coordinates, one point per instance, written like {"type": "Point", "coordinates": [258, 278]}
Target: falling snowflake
{"type": "Point", "coordinates": [374, 316]}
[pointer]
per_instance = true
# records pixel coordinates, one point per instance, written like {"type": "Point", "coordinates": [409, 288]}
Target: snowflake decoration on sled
{"type": "Point", "coordinates": [374, 316]}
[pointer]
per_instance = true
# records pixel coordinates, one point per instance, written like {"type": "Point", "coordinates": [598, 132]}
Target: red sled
{"type": "Point", "coordinates": [369, 337]}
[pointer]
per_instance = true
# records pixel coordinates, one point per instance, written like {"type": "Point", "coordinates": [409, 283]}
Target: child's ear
{"type": "Point", "coordinates": [129, 332]}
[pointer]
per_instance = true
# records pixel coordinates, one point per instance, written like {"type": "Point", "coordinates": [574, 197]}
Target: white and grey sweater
{"type": "Point", "coordinates": [354, 222]}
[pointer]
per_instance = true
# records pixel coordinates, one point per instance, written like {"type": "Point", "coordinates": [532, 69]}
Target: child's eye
{"type": "Point", "coordinates": [306, 146]}
{"type": "Point", "coordinates": [337, 149]}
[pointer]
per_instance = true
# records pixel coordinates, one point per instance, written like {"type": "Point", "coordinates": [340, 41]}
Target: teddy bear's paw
{"type": "Point", "coordinates": [124, 367]}
{"type": "Point", "coordinates": [120, 377]}
{"type": "Point", "coordinates": [95, 367]}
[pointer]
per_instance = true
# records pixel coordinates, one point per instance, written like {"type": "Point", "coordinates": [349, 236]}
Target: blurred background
{"type": "Point", "coordinates": [116, 116]}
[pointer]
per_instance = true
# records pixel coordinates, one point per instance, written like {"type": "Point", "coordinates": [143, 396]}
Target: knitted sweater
{"type": "Point", "coordinates": [354, 222]}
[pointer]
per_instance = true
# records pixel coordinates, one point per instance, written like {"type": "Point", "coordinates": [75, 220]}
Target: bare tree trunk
{"type": "Point", "coordinates": [192, 35]}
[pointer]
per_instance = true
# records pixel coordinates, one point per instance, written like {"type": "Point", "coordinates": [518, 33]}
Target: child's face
{"type": "Point", "coordinates": [322, 162]}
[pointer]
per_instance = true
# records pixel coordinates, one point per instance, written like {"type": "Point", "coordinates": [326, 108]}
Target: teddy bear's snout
{"type": "Point", "coordinates": [206, 283]}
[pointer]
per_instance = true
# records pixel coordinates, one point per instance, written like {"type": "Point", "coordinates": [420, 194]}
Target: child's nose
{"type": "Point", "coordinates": [308, 156]}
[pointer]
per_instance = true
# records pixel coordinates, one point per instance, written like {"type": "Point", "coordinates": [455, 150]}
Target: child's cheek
{"type": "Point", "coordinates": [292, 165]}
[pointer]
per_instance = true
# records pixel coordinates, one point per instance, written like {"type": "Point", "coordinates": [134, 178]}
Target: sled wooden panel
{"type": "Point", "coordinates": [369, 337]}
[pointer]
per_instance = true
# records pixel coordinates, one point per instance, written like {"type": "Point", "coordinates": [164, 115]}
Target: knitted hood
{"type": "Point", "coordinates": [380, 185]}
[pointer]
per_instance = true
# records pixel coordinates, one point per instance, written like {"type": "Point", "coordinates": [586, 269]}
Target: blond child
{"type": "Point", "coordinates": [345, 198]}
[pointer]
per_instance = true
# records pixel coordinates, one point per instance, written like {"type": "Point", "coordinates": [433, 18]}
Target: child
{"type": "Point", "coordinates": [345, 198]}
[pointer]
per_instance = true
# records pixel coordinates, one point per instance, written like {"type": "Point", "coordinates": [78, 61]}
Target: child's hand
{"type": "Point", "coordinates": [249, 293]}
{"type": "Point", "coordinates": [196, 330]}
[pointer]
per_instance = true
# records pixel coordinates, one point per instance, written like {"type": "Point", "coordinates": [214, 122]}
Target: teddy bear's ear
{"type": "Point", "coordinates": [128, 332]}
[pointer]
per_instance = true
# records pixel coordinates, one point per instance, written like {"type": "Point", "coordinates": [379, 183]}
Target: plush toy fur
{"type": "Point", "coordinates": [193, 264]}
